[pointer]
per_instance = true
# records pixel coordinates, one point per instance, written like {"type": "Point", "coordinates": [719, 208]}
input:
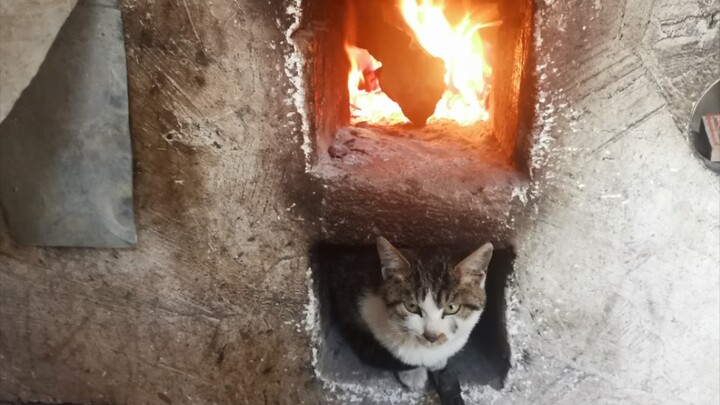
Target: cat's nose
{"type": "Point", "coordinates": [431, 337]}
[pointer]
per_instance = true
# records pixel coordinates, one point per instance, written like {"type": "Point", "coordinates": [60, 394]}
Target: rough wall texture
{"type": "Point", "coordinates": [27, 29]}
{"type": "Point", "coordinates": [207, 308]}
{"type": "Point", "coordinates": [615, 297]}
{"type": "Point", "coordinates": [617, 283]}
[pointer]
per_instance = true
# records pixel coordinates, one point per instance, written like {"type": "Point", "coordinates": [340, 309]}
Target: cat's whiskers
{"type": "Point", "coordinates": [421, 328]}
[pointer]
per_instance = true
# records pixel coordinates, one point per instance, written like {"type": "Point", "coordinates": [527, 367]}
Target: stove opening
{"type": "Point", "coordinates": [421, 114]}
{"type": "Point", "coordinates": [349, 359]}
{"type": "Point", "coordinates": [440, 71]}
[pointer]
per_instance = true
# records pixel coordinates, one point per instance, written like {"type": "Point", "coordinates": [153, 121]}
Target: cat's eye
{"type": "Point", "coordinates": [412, 307]}
{"type": "Point", "coordinates": [451, 309]}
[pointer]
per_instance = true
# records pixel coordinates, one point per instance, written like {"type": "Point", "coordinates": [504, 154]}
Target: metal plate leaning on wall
{"type": "Point", "coordinates": [65, 151]}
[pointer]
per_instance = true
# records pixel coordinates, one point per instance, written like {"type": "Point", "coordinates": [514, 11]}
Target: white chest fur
{"type": "Point", "coordinates": [403, 341]}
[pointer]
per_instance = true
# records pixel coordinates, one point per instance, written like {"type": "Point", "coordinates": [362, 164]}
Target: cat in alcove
{"type": "Point", "coordinates": [412, 310]}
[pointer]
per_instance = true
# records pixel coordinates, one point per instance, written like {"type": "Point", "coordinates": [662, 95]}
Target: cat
{"type": "Point", "coordinates": [417, 306]}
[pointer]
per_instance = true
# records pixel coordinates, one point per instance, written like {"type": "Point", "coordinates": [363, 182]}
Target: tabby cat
{"type": "Point", "coordinates": [418, 306]}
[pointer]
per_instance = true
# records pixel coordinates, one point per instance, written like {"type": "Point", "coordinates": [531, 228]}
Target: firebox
{"type": "Point", "coordinates": [421, 113]}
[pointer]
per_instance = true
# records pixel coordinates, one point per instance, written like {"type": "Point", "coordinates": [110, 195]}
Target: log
{"type": "Point", "coordinates": [410, 76]}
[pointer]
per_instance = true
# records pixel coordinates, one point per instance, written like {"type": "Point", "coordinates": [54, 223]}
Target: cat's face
{"type": "Point", "coordinates": [431, 300]}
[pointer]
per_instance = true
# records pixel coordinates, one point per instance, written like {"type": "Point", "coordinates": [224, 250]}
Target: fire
{"type": "Point", "coordinates": [367, 102]}
{"type": "Point", "coordinates": [460, 47]}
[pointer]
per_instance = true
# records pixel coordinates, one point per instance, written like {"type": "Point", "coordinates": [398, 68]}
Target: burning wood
{"type": "Point", "coordinates": [409, 75]}
{"type": "Point", "coordinates": [414, 80]}
{"type": "Point", "coordinates": [427, 68]}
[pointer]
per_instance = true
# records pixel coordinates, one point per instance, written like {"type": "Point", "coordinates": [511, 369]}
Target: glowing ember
{"type": "Point", "coordinates": [460, 47]}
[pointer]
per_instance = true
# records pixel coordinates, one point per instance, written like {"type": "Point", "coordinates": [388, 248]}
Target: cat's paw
{"type": "Point", "coordinates": [414, 379]}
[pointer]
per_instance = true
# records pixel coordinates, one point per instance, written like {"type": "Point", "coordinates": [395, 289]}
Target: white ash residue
{"type": "Point", "coordinates": [295, 71]}
{"type": "Point", "coordinates": [548, 106]}
{"type": "Point", "coordinates": [480, 394]}
{"type": "Point", "coordinates": [519, 326]}
{"type": "Point", "coordinates": [312, 317]}
{"type": "Point", "coordinates": [513, 324]}
{"type": "Point", "coordinates": [521, 193]}
{"type": "Point", "coordinates": [356, 393]}
{"type": "Point", "coordinates": [516, 332]}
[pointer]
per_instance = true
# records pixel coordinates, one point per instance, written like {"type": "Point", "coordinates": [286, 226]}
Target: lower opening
{"type": "Point", "coordinates": [349, 357]}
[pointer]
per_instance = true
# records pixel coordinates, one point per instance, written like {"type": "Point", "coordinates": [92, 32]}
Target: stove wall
{"type": "Point", "coordinates": [616, 290]}
{"type": "Point", "coordinates": [22, 55]}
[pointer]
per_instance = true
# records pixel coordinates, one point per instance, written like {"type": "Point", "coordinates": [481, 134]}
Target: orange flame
{"type": "Point", "coordinates": [367, 102]}
{"type": "Point", "coordinates": [461, 49]}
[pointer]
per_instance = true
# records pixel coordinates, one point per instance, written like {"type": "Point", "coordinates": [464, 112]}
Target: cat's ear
{"type": "Point", "coordinates": [476, 264]}
{"type": "Point", "coordinates": [391, 259]}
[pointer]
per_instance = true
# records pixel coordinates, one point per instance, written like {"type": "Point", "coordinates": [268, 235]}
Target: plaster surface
{"type": "Point", "coordinates": [615, 295]}
{"type": "Point", "coordinates": [27, 29]}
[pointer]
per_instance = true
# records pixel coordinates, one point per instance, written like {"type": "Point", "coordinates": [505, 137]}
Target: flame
{"type": "Point", "coordinates": [460, 47]}
{"type": "Point", "coordinates": [367, 102]}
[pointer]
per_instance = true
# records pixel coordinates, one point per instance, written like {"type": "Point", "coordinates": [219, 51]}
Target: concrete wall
{"type": "Point", "coordinates": [618, 288]}
{"type": "Point", "coordinates": [27, 29]}
{"type": "Point", "coordinates": [206, 309]}
{"type": "Point", "coordinates": [616, 293]}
